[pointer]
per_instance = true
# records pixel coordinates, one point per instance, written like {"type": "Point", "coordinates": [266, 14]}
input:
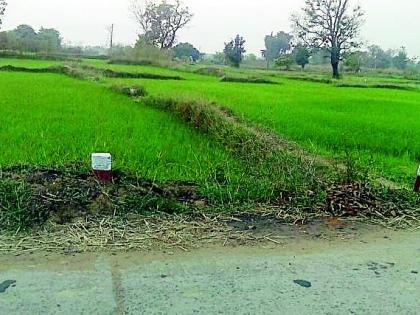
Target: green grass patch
{"type": "Point", "coordinates": [230, 140]}
{"type": "Point", "coordinates": [378, 125]}
{"type": "Point", "coordinates": [187, 73]}
{"type": "Point", "coordinates": [15, 209]}
{"type": "Point", "coordinates": [29, 63]}
{"type": "Point", "coordinates": [49, 119]}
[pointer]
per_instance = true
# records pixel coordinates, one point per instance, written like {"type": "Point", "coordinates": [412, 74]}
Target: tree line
{"type": "Point", "coordinates": [323, 30]}
{"type": "Point", "coordinates": [375, 57]}
{"type": "Point", "coordinates": [323, 27]}
{"type": "Point", "coordinates": [25, 39]}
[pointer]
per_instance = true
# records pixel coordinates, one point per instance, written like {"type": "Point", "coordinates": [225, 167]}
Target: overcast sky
{"type": "Point", "coordinates": [389, 23]}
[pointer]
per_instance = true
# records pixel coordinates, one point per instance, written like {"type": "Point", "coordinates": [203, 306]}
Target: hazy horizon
{"type": "Point", "coordinates": [215, 22]}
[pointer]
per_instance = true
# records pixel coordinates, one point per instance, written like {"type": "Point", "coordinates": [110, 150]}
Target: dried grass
{"type": "Point", "coordinates": [140, 233]}
{"type": "Point", "coordinates": [174, 232]}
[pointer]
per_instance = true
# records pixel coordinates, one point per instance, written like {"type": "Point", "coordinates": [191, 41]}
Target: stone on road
{"type": "Point", "coordinates": [311, 277]}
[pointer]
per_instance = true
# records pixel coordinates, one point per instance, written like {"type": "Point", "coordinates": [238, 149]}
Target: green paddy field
{"type": "Point", "coordinates": [53, 119]}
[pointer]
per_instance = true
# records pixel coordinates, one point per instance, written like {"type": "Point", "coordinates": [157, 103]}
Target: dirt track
{"type": "Point", "coordinates": [375, 273]}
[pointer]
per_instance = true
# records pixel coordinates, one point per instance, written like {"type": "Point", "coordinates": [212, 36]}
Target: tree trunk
{"type": "Point", "coordinates": [335, 60]}
{"type": "Point", "coordinates": [336, 73]}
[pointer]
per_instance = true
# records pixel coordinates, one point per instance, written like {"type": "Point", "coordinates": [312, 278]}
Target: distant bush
{"type": "Point", "coordinates": [137, 75]}
{"type": "Point", "coordinates": [211, 71]}
{"type": "Point", "coordinates": [186, 52]}
{"type": "Point", "coordinates": [37, 56]}
{"type": "Point", "coordinates": [285, 61]}
{"type": "Point", "coordinates": [378, 86]}
{"type": "Point", "coordinates": [311, 79]}
{"type": "Point", "coordinates": [217, 59]}
{"type": "Point", "coordinates": [247, 80]}
{"type": "Point", "coordinates": [23, 69]}
{"type": "Point", "coordinates": [132, 90]}
{"type": "Point", "coordinates": [84, 72]}
{"type": "Point", "coordinates": [142, 53]}
{"type": "Point", "coordinates": [130, 62]}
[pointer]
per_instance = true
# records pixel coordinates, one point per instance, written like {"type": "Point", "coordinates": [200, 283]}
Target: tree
{"type": "Point", "coordinates": [3, 5]}
{"type": "Point", "coordinates": [285, 60]}
{"type": "Point", "coordinates": [378, 58]}
{"type": "Point", "coordinates": [160, 22]}
{"type": "Point", "coordinates": [24, 38]}
{"type": "Point", "coordinates": [320, 57]}
{"type": "Point", "coordinates": [234, 51]}
{"type": "Point", "coordinates": [251, 58]}
{"type": "Point", "coordinates": [355, 60]}
{"type": "Point", "coordinates": [329, 24]}
{"type": "Point", "coordinates": [144, 51]}
{"type": "Point", "coordinates": [186, 51]}
{"type": "Point", "coordinates": [4, 41]}
{"type": "Point", "coordinates": [218, 58]}
{"type": "Point", "coordinates": [275, 45]}
{"type": "Point", "coordinates": [401, 59]}
{"type": "Point", "coordinates": [48, 40]}
{"type": "Point", "coordinates": [301, 55]}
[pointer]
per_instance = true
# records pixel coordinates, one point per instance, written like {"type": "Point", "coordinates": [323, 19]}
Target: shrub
{"type": "Point", "coordinates": [132, 90]}
{"type": "Point", "coordinates": [14, 205]}
{"type": "Point", "coordinates": [247, 80]}
{"type": "Point", "coordinates": [141, 54]}
{"type": "Point", "coordinates": [210, 71]}
{"type": "Point", "coordinates": [285, 61]}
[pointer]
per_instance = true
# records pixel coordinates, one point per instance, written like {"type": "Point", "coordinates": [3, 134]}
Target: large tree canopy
{"type": "Point", "coordinates": [186, 51]}
{"type": "Point", "coordinates": [378, 58]}
{"type": "Point", "coordinates": [401, 60]}
{"type": "Point", "coordinates": [329, 24]}
{"type": "Point", "coordinates": [275, 45]}
{"type": "Point", "coordinates": [25, 39]}
{"type": "Point", "coordinates": [49, 40]}
{"type": "Point", "coordinates": [301, 55]}
{"type": "Point", "coordinates": [234, 51]}
{"type": "Point", "coordinates": [160, 22]}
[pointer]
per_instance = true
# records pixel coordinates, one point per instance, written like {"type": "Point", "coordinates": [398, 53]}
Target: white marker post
{"type": "Point", "coordinates": [102, 166]}
{"type": "Point", "coordinates": [417, 184]}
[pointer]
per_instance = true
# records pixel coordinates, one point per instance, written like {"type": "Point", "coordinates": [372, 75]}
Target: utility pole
{"type": "Point", "coordinates": [111, 36]}
{"type": "Point", "coordinates": [111, 44]}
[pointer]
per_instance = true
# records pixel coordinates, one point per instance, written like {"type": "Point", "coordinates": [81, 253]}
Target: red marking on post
{"type": "Point", "coordinates": [102, 166]}
{"type": "Point", "coordinates": [417, 184]}
{"type": "Point", "coordinates": [103, 176]}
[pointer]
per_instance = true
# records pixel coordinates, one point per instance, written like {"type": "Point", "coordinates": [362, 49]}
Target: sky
{"type": "Point", "coordinates": [389, 23]}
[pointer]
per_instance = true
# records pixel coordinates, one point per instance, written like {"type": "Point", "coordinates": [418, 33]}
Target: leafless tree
{"type": "Point", "coordinates": [329, 24]}
{"type": "Point", "coordinates": [160, 22]}
{"type": "Point", "coordinates": [3, 5]}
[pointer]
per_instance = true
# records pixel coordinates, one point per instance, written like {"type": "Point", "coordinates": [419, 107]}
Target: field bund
{"type": "Point", "coordinates": [201, 143]}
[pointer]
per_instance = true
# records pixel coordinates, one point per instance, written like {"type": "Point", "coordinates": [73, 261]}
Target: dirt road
{"type": "Point", "coordinates": [376, 273]}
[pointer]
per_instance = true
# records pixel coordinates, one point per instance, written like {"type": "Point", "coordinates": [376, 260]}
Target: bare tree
{"type": "Point", "coordinates": [160, 22]}
{"type": "Point", "coordinates": [329, 24]}
{"type": "Point", "coordinates": [3, 5]}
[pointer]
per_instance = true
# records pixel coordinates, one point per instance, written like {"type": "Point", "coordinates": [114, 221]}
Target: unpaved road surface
{"type": "Point", "coordinates": [370, 274]}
